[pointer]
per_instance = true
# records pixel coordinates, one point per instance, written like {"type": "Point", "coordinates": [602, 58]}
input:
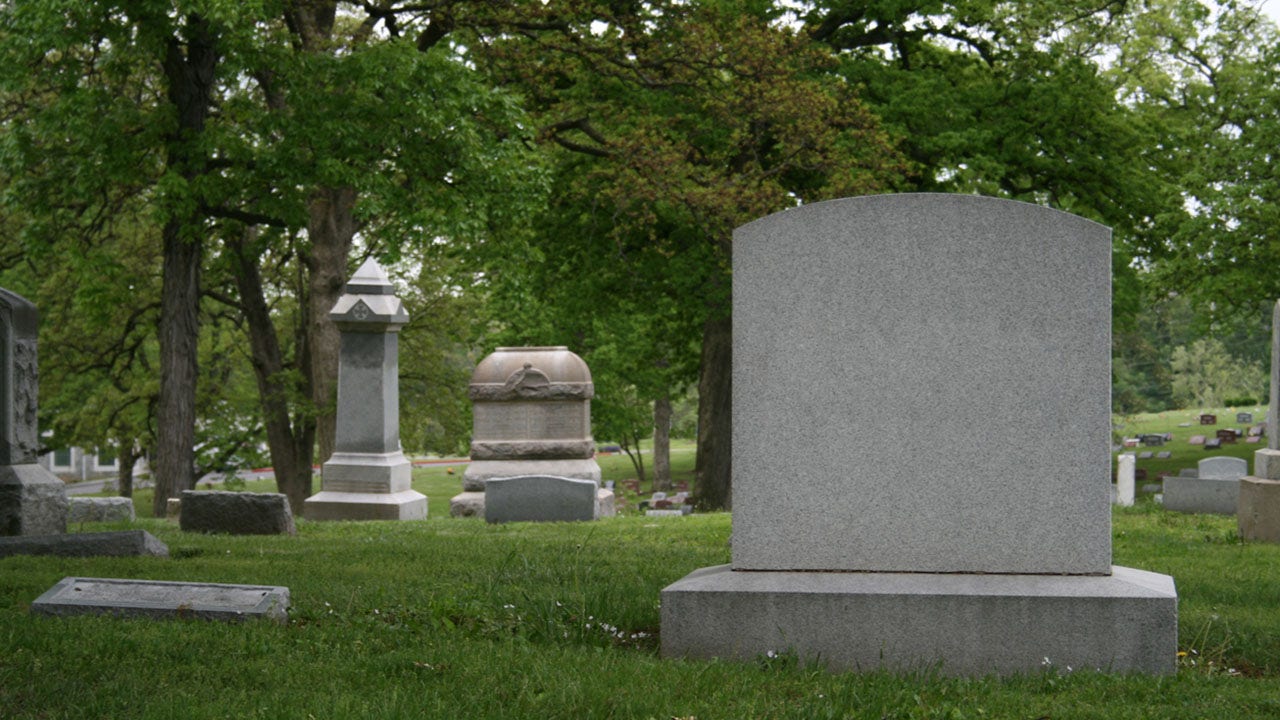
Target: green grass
{"type": "Point", "coordinates": [452, 618]}
{"type": "Point", "coordinates": [1185, 455]}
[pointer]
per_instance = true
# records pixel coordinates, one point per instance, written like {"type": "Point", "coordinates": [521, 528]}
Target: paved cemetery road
{"type": "Point", "coordinates": [91, 487]}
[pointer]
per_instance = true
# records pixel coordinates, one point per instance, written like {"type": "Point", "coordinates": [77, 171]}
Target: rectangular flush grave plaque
{"type": "Point", "coordinates": [162, 600]}
{"type": "Point", "coordinates": [972, 320]}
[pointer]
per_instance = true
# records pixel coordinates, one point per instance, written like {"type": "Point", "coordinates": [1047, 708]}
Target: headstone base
{"type": "Point", "coordinates": [467, 504]}
{"type": "Point", "coordinates": [479, 471]}
{"type": "Point", "coordinates": [1266, 464]}
{"type": "Point", "coordinates": [331, 505]}
{"type": "Point", "coordinates": [367, 472]}
{"type": "Point", "coordinates": [960, 624]}
{"type": "Point", "coordinates": [1258, 517]}
{"type": "Point", "coordinates": [1201, 495]}
{"type": "Point", "coordinates": [33, 501]}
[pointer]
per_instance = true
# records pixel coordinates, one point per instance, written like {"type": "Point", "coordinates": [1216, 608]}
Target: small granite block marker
{"type": "Point", "coordinates": [1258, 511]}
{"type": "Point", "coordinates": [236, 513]}
{"type": "Point", "coordinates": [100, 509]}
{"type": "Point", "coordinates": [531, 408]}
{"type": "Point", "coordinates": [927, 311]}
{"type": "Point", "coordinates": [367, 478]}
{"type": "Point", "coordinates": [33, 501]}
{"type": "Point", "coordinates": [163, 600]}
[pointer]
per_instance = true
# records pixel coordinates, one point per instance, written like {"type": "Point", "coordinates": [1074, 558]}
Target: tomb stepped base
{"type": "Point", "coordinates": [331, 505]}
{"type": "Point", "coordinates": [958, 624]}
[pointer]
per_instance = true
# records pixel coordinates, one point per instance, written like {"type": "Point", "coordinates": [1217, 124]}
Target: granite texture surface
{"type": "Point", "coordinates": [958, 624]}
{"type": "Point", "coordinates": [163, 600]}
{"type": "Point", "coordinates": [962, 322]}
{"type": "Point", "coordinates": [236, 513]}
{"type": "Point", "coordinates": [122, 543]}
{"type": "Point", "coordinates": [1258, 511]}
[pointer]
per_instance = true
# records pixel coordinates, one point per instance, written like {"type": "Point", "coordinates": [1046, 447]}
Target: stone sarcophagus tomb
{"type": "Point", "coordinates": [531, 409]}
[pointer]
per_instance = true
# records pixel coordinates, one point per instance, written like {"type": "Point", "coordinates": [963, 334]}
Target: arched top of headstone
{"type": "Point", "coordinates": [516, 373]}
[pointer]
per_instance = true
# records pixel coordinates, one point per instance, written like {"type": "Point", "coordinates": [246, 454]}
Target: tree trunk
{"type": "Point", "coordinates": [662, 443]}
{"type": "Point", "coordinates": [190, 80]}
{"type": "Point", "coordinates": [179, 333]}
{"type": "Point", "coordinates": [126, 456]}
{"type": "Point", "coordinates": [714, 475]}
{"type": "Point", "coordinates": [331, 226]}
{"type": "Point", "coordinates": [291, 447]}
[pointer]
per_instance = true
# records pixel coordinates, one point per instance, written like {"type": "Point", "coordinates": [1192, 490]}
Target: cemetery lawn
{"type": "Point", "coordinates": [454, 618]}
{"type": "Point", "coordinates": [1183, 425]}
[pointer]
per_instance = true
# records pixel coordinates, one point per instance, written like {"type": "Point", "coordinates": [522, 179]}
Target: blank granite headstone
{"type": "Point", "coordinates": [1214, 489]}
{"type": "Point", "coordinates": [368, 475]}
{"type": "Point", "coordinates": [1164, 455]}
{"type": "Point", "coordinates": [1244, 417]}
{"type": "Point", "coordinates": [930, 310]}
{"type": "Point", "coordinates": [236, 513]}
{"type": "Point", "coordinates": [163, 600]}
{"type": "Point", "coordinates": [1195, 440]}
{"type": "Point", "coordinates": [539, 498]}
{"type": "Point", "coordinates": [33, 501]}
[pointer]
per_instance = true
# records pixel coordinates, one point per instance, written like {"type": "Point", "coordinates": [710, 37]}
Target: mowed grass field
{"type": "Point", "coordinates": [456, 618]}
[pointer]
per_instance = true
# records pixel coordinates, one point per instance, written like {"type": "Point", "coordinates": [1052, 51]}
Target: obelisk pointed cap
{"type": "Point", "coordinates": [370, 279]}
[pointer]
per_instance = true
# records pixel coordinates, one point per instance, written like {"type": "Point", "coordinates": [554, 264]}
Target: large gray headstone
{"type": "Point", "coordinates": [975, 322]}
{"type": "Point", "coordinates": [33, 501]}
{"type": "Point", "coordinates": [972, 320]}
{"type": "Point", "coordinates": [368, 476]}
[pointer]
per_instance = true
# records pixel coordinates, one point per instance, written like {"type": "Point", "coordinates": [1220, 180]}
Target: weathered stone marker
{"type": "Point", "coordinates": [163, 600]}
{"type": "Point", "coordinates": [124, 543]}
{"type": "Point", "coordinates": [532, 419]}
{"type": "Point", "coordinates": [367, 478]}
{"type": "Point", "coordinates": [33, 501]}
{"type": "Point", "coordinates": [949, 314]}
{"type": "Point", "coordinates": [236, 513]}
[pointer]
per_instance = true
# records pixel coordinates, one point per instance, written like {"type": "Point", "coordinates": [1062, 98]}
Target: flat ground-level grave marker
{"type": "Point", "coordinates": [163, 599]}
